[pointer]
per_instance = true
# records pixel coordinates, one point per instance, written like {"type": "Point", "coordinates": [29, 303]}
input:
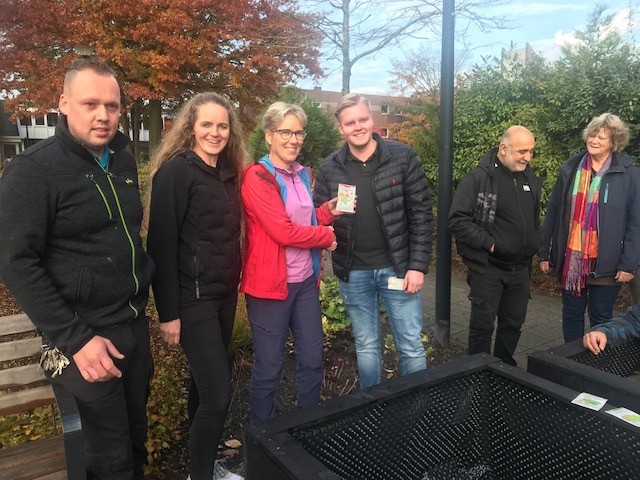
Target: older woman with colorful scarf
{"type": "Point", "coordinates": [591, 233]}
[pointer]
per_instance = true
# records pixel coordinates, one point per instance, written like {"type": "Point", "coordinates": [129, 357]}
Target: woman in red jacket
{"type": "Point", "coordinates": [281, 268]}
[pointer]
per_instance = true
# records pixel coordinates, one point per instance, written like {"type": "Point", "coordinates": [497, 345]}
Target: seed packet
{"type": "Point", "coordinates": [627, 415]}
{"type": "Point", "coordinates": [588, 400]}
{"type": "Point", "coordinates": [346, 198]}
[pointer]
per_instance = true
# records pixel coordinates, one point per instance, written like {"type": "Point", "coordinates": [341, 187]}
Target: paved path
{"type": "Point", "coordinates": [541, 330]}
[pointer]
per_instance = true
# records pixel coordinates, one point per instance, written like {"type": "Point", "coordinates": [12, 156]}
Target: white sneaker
{"type": "Point", "coordinates": [220, 472]}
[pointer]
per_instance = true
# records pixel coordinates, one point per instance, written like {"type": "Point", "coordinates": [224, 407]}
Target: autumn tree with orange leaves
{"type": "Point", "coordinates": [163, 50]}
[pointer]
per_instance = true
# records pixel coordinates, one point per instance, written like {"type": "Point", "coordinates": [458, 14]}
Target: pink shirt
{"type": "Point", "coordinates": [298, 207]}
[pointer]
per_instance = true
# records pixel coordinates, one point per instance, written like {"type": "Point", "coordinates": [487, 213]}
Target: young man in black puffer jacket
{"type": "Point", "coordinates": [384, 249]}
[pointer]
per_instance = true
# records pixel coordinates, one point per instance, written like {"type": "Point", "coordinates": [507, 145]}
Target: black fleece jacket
{"type": "Point", "coordinates": [71, 252]}
{"type": "Point", "coordinates": [402, 198]}
{"type": "Point", "coordinates": [194, 233]}
{"type": "Point", "coordinates": [475, 207]}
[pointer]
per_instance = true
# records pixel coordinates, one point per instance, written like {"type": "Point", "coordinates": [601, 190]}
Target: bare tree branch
{"type": "Point", "coordinates": [356, 29]}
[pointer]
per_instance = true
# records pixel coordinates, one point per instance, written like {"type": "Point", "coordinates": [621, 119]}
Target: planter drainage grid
{"type": "Point", "coordinates": [458, 421]}
{"type": "Point", "coordinates": [480, 426]}
{"type": "Point", "coordinates": [612, 374]}
{"type": "Point", "coordinates": [622, 360]}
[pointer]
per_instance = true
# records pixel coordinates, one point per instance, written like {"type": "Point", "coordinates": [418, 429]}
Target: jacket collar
{"type": "Point", "coordinates": [619, 163]}
{"type": "Point", "coordinates": [223, 170]}
{"type": "Point", "coordinates": [490, 159]}
{"type": "Point", "coordinates": [118, 143]}
{"type": "Point", "coordinates": [385, 153]}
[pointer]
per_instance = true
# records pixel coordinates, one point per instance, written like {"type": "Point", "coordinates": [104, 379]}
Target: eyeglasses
{"type": "Point", "coordinates": [286, 134]}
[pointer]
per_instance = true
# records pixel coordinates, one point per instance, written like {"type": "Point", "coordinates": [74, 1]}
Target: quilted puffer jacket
{"type": "Point", "coordinates": [403, 203]}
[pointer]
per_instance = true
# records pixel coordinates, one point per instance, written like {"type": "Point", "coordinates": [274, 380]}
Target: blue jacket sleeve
{"type": "Point", "coordinates": [622, 329]}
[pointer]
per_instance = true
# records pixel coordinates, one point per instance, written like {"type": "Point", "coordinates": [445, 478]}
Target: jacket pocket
{"type": "Point", "coordinates": [83, 289]}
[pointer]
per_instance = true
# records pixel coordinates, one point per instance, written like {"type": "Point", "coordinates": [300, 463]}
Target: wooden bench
{"type": "Point", "coordinates": [23, 388]}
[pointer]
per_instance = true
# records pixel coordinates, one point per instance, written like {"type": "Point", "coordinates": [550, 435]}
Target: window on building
{"type": "Point", "coordinates": [384, 132]}
{"type": "Point", "coordinates": [26, 122]}
{"type": "Point", "coordinates": [397, 110]}
{"type": "Point", "coordinates": [40, 120]}
{"type": "Point", "coordinates": [52, 119]}
{"type": "Point", "coordinates": [384, 109]}
{"type": "Point", "coordinates": [317, 104]}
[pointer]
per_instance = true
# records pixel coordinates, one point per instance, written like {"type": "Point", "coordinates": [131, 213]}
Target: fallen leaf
{"type": "Point", "coordinates": [233, 443]}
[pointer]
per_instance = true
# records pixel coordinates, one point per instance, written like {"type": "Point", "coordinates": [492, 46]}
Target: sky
{"type": "Point", "coordinates": [545, 25]}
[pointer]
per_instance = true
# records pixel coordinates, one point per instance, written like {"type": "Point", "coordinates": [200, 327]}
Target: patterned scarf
{"type": "Point", "coordinates": [582, 246]}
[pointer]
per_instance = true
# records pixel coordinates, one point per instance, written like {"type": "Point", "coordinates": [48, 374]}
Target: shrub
{"type": "Point", "coordinates": [19, 428]}
{"type": "Point", "coordinates": [334, 313]}
{"type": "Point", "coordinates": [242, 339]}
{"type": "Point", "coordinates": [167, 405]}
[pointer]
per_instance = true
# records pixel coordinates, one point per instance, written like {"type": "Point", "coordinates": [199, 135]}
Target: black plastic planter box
{"type": "Point", "coordinates": [604, 375]}
{"type": "Point", "coordinates": [473, 418]}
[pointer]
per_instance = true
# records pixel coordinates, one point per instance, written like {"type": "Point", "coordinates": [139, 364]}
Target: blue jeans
{"type": "Point", "coordinates": [362, 295]}
{"type": "Point", "coordinates": [600, 300]}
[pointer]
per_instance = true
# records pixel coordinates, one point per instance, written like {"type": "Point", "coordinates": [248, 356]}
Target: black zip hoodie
{"type": "Point", "coordinates": [71, 252]}
{"type": "Point", "coordinates": [473, 213]}
{"type": "Point", "coordinates": [514, 230]}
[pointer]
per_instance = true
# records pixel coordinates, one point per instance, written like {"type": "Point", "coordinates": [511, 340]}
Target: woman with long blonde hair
{"type": "Point", "coordinates": [194, 240]}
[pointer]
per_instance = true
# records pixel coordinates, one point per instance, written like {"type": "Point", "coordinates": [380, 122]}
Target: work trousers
{"type": "Point", "coordinates": [271, 322]}
{"type": "Point", "coordinates": [113, 413]}
{"type": "Point", "coordinates": [502, 293]}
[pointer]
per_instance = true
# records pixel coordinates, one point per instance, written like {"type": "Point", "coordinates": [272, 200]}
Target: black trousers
{"type": "Point", "coordinates": [206, 331]}
{"type": "Point", "coordinates": [114, 413]}
{"type": "Point", "coordinates": [501, 293]}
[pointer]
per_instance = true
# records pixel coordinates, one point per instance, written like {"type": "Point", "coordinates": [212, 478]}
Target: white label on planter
{"type": "Point", "coordinates": [627, 415]}
{"type": "Point", "coordinates": [587, 400]}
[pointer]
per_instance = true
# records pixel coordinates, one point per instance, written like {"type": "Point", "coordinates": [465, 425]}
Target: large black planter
{"type": "Point", "coordinates": [605, 374]}
{"type": "Point", "coordinates": [473, 418]}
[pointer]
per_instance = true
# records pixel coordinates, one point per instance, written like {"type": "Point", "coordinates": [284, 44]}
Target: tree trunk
{"type": "Point", "coordinates": [126, 127]}
{"type": "Point", "coordinates": [135, 120]}
{"type": "Point", "coordinates": [155, 125]}
{"type": "Point", "coordinates": [346, 77]}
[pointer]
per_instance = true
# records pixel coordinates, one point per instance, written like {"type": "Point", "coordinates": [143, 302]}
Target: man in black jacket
{"type": "Point", "coordinates": [72, 257]}
{"type": "Point", "coordinates": [494, 217]}
{"type": "Point", "coordinates": [384, 249]}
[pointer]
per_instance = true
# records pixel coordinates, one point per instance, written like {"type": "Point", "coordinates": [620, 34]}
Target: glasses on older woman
{"type": "Point", "coordinates": [286, 134]}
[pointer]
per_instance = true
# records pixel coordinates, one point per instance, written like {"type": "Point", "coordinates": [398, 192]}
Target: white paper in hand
{"type": "Point", "coordinates": [395, 283]}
